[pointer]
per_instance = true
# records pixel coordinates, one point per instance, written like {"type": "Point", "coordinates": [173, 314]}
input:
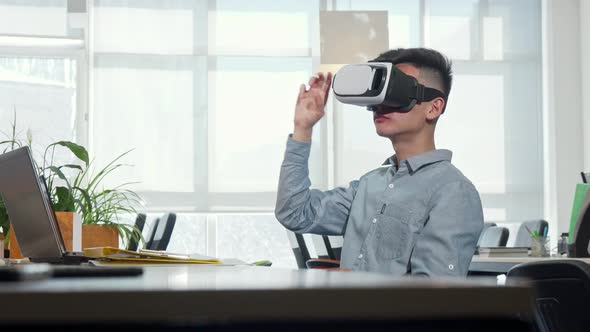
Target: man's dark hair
{"type": "Point", "coordinates": [423, 58]}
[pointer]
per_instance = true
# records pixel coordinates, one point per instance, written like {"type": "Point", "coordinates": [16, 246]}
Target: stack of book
{"type": "Point", "coordinates": [504, 252]}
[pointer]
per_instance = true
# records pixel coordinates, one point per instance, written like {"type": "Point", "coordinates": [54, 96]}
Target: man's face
{"type": "Point", "coordinates": [394, 124]}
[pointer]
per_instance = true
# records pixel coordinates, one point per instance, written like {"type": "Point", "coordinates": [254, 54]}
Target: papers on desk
{"type": "Point", "coordinates": [114, 255]}
{"type": "Point", "coordinates": [504, 252]}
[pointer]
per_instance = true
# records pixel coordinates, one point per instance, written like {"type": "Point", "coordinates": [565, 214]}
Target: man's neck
{"type": "Point", "coordinates": [406, 148]}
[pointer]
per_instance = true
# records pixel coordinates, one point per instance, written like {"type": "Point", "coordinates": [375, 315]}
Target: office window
{"type": "Point", "coordinates": [39, 75]}
{"type": "Point", "coordinates": [198, 100]}
{"type": "Point", "coordinates": [40, 94]}
{"type": "Point", "coordinates": [145, 105]}
{"type": "Point", "coordinates": [247, 132]}
{"type": "Point", "coordinates": [49, 17]}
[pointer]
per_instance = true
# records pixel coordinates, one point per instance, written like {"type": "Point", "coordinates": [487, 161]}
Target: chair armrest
{"type": "Point", "coordinates": [322, 263]}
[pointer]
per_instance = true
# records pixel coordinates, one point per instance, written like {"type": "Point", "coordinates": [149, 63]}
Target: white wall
{"type": "Point", "coordinates": [567, 105]}
{"type": "Point", "coordinates": [584, 13]}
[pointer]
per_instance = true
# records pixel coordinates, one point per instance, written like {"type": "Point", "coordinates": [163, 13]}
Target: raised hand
{"type": "Point", "coordinates": [310, 105]}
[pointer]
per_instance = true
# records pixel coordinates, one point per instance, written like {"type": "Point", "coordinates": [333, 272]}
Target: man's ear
{"type": "Point", "coordinates": [436, 109]}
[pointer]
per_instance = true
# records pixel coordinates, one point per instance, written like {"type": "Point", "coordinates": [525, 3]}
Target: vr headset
{"type": "Point", "coordinates": [375, 84]}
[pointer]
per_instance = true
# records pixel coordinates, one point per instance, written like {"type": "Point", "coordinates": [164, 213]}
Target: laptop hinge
{"type": "Point", "coordinates": [74, 258]}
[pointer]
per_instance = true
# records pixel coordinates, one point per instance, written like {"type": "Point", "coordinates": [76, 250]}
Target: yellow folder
{"type": "Point", "coordinates": [118, 255]}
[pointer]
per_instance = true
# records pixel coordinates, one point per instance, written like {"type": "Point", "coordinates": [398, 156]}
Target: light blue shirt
{"type": "Point", "coordinates": [423, 218]}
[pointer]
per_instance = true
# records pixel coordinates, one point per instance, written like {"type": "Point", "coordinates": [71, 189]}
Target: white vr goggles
{"type": "Point", "coordinates": [374, 84]}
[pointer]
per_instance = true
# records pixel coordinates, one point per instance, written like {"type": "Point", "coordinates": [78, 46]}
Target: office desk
{"type": "Point", "coordinates": [227, 297]}
{"type": "Point", "coordinates": [501, 265]}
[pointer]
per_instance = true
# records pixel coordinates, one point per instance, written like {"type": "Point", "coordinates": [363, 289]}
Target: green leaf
{"type": "Point", "coordinates": [78, 150]}
{"type": "Point", "coordinates": [78, 167]}
{"type": "Point", "coordinates": [59, 173]}
{"type": "Point", "coordinates": [65, 200]}
{"type": "Point", "coordinates": [86, 204]}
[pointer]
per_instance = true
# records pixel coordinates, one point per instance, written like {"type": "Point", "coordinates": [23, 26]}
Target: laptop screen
{"type": "Point", "coordinates": [29, 207]}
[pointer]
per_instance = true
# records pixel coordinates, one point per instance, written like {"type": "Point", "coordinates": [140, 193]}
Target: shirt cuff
{"type": "Point", "coordinates": [297, 151]}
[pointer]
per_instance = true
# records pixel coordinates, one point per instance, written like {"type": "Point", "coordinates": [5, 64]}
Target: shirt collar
{"type": "Point", "coordinates": [423, 159]}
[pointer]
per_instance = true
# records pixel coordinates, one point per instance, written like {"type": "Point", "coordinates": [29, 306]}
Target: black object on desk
{"type": "Point", "coordinates": [39, 271]}
{"type": "Point", "coordinates": [66, 271]}
{"type": "Point", "coordinates": [25, 272]}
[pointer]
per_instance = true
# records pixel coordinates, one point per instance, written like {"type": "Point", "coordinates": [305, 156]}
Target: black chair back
{"type": "Point", "coordinates": [486, 225]}
{"type": "Point", "coordinates": [333, 248]}
{"type": "Point", "coordinates": [161, 232]}
{"type": "Point", "coordinates": [562, 292]}
{"type": "Point", "coordinates": [299, 248]}
{"type": "Point", "coordinates": [139, 223]}
{"type": "Point", "coordinates": [494, 236]}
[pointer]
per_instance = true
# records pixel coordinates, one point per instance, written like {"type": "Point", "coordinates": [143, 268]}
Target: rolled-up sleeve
{"type": "Point", "coordinates": [305, 210]}
{"type": "Point", "coordinates": [448, 240]}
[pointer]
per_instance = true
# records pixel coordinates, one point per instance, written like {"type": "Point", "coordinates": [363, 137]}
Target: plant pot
{"type": "Point", "coordinates": [99, 236]}
{"type": "Point", "coordinates": [92, 235]}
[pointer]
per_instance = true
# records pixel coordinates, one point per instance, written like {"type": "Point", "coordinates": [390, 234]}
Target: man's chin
{"type": "Point", "coordinates": [384, 133]}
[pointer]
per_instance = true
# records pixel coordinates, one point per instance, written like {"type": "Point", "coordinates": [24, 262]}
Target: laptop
{"type": "Point", "coordinates": [30, 210]}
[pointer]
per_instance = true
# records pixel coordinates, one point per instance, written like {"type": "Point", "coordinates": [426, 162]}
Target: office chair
{"type": "Point", "coordinates": [328, 249]}
{"type": "Point", "coordinates": [486, 225]}
{"type": "Point", "coordinates": [523, 237]}
{"type": "Point", "coordinates": [161, 232]}
{"type": "Point", "coordinates": [139, 223]}
{"type": "Point", "coordinates": [299, 248]}
{"type": "Point", "coordinates": [562, 294]}
{"type": "Point", "coordinates": [333, 246]}
{"type": "Point", "coordinates": [494, 236]}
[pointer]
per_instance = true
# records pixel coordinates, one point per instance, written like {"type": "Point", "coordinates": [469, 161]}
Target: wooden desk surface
{"type": "Point", "coordinates": [244, 293]}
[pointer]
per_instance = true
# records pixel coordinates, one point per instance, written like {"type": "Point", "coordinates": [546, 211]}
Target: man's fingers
{"type": "Point", "coordinates": [327, 84]}
{"type": "Point", "coordinates": [319, 86]}
{"type": "Point", "coordinates": [320, 76]}
{"type": "Point", "coordinates": [312, 81]}
{"type": "Point", "coordinates": [301, 91]}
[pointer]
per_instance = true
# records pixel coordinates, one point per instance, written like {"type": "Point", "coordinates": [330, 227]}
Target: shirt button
{"type": "Point", "coordinates": [360, 256]}
{"type": "Point", "coordinates": [391, 186]}
{"type": "Point", "coordinates": [451, 267]}
{"type": "Point", "coordinates": [374, 220]}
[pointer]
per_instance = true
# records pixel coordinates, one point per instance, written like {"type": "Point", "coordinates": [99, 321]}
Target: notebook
{"type": "Point", "coordinates": [30, 210]}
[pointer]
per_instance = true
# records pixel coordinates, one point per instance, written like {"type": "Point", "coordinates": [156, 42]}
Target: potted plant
{"type": "Point", "coordinates": [79, 188]}
{"type": "Point", "coordinates": [82, 191]}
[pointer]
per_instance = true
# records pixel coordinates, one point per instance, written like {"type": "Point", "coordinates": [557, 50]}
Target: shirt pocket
{"type": "Point", "coordinates": [393, 234]}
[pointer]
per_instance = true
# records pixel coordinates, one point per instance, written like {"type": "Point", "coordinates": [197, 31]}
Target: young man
{"type": "Point", "coordinates": [417, 214]}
